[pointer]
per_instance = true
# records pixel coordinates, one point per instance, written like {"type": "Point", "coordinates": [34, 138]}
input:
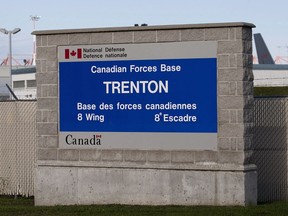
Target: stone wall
{"type": "Point", "coordinates": [121, 176]}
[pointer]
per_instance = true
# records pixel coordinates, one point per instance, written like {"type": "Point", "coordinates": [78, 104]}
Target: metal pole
{"type": "Point", "coordinates": [34, 19]}
{"type": "Point", "coordinates": [14, 31]}
{"type": "Point", "coordinates": [10, 60]}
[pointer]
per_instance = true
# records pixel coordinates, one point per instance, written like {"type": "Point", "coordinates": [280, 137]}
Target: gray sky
{"type": "Point", "coordinates": [270, 17]}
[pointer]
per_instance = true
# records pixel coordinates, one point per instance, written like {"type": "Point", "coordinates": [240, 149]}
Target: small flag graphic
{"type": "Point", "coordinates": [73, 54]}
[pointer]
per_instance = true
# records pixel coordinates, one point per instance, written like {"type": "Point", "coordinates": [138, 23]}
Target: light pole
{"type": "Point", "coordinates": [34, 19]}
{"type": "Point", "coordinates": [14, 31]}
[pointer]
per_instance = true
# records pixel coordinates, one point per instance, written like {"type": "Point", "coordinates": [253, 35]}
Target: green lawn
{"type": "Point", "coordinates": [271, 91]}
{"type": "Point", "coordinates": [25, 206]}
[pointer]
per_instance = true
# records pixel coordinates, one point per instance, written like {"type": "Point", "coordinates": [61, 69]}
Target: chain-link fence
{"type": "Point", "coordinates": [17, 147]}
{"type": "Point", "coordinates": [270, 147]}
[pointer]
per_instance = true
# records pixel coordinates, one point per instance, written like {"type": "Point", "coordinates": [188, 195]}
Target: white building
{"type": "Point", "coordinates": [23, 82]}
{"type": "Point", "coordinates": [270, 75]}
{"type": "Point", "coordinates": [4, 79]}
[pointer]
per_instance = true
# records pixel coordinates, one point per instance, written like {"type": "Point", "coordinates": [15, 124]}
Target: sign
{"type": "Point", "coordinates": [138, 96]}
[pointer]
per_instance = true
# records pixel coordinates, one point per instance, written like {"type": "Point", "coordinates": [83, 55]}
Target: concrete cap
{"type": "Point", "coordinates": [144, 28]}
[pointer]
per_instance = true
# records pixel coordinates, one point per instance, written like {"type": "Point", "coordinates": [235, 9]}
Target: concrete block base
{"type": "Point", "coordinates": [93, 185]}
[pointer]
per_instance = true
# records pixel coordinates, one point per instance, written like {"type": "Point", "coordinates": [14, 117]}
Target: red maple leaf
{"type": "Point", "coordinates": [73, 53]}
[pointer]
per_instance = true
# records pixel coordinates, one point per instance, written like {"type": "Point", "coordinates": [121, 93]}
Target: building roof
{"type": "Point", "coordinates": [24, 70]}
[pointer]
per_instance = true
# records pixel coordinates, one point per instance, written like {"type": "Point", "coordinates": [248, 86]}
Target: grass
{"type": "Point", "coordinates": [271, 91]}
{"type": "Point", "coordinates": [25, 207]}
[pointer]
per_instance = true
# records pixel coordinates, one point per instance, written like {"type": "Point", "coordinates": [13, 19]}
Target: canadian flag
{"type": "Point", "coordinates": [73, 53]}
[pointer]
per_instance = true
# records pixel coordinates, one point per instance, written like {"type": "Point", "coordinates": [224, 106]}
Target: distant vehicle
{"type": "Point", "coordinates": [263, 54]}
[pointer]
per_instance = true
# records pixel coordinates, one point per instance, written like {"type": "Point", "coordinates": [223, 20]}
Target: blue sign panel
{"type": "Point", "coordinates": [158, 95]}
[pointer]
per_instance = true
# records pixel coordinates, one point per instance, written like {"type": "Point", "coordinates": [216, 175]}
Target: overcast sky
{"type": "Point", "coordinates": [270, 17]}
